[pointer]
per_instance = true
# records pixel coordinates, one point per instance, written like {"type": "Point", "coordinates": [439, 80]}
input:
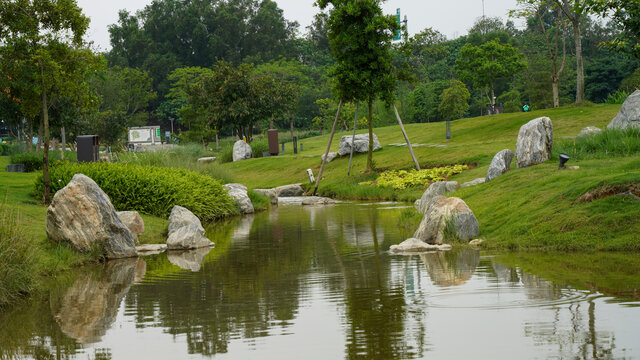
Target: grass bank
{"type": "Point", "coordinates": [536, 208]}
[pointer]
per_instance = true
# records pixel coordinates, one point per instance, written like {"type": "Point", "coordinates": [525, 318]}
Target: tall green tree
{"type": "Point", "coordinates": [626, 15]}
{"type": "Point", "coordinates": [360, 36]}
{"type": "Point", "coordinates": [455, 100]}
{"type": "Point", "coordinates": [486, 63]}
{"type": "Point", "coordinates": [42, 47]}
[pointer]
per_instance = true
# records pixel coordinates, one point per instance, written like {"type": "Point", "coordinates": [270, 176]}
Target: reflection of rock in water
{"type": "Point", "coordinates": [243, 229]}
{"type": "Point", "coordinates": [535, 288]}
{"type": "Point", "coordinates": [188, 260]}
{"type": "Point", "coordinates": [451, 268]}
{"type": "Point", "coordinates": [361, 235]}
{"type": "Point", "coordinates": [87, 309]}
{"type": "Point", "coordinates": [505, 274]}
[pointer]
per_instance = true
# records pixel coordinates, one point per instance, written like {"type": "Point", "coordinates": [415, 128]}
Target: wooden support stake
{"type": "Point", "coordinates": [406, 138]}
{"type": "Point", "coordinates": [353, 139]}
{"type": "Point", "coordinates": [326, 153]}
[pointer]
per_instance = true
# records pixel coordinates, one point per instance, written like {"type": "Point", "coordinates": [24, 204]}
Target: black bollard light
{"type": "Point", "coordinates": [563, 159]}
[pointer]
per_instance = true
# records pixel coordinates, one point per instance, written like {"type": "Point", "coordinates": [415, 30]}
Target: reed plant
{"type": "Point", "coordinates": [607, 144]}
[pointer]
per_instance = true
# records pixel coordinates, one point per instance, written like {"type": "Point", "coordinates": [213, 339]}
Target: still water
{"type": "Point", "coordinates": [318, 283]}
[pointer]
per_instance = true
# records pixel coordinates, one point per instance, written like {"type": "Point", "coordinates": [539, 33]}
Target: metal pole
{"type": "Point", "coordinates": [406, 138]}
{"type": "Point", "coordinates": [353, 139]}
{"type": "Point", "coordinates": [326, 153]}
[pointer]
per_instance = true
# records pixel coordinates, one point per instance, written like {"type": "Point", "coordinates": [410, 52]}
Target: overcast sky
{"type": "Point", "coordinates": [451, 17]}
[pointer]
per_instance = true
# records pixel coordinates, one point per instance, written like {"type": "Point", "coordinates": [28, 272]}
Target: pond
{"type": "Point", "coordinates": [319, 283]}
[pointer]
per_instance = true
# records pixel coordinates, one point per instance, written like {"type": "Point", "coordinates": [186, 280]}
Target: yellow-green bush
{"type": "Point", "coordinates": [403, 179]}
{"type": "Point", "coordinates": [149, 189]}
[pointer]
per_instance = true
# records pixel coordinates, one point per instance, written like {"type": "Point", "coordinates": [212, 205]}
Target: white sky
{"type": "Point", "coordinates": [451, 17]}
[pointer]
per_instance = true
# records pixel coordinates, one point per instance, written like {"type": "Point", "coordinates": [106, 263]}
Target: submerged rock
{"type": "Point", "coordinates": [238, 193]}
{"type": "Point", "coordinates": [447, 214]}
{"type": "Point", "coordinates": [151, 249]}
{"type": "Point", "coordinates": [629, 115]}
{"type": "Point", "coordinates": [500, 164]}
{"type": "Point", "coordinates": [360, 144]}
{"type": "Point", "coordinates": [185, 231]}
{"type": "Point", "coordinates": [535, 140]}
{"type": "Point", "coordinates": [82, 214]}
{"type": "Point", "coordinates": [317, 200]}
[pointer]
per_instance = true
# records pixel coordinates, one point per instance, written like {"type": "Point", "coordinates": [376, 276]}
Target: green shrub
{"type": "Point", "coordinates": [8, 149]}
{"type": "Point", "coordinates": [404, 179]}
{"type": "Point", "coordinates": [17, 260]}
{"type": "Point", "coordinates": [259, 146]}
{"type": "Point", "coordinates": [617, 97]}
{"type": "Point", "coordinates": [149, 189]}
{"type": "Point", "coordinates": [31, 161]}
{"type": "Point", "coordinates": [226, 155]}
{"type": "Point", "coordinates": [609, 143]}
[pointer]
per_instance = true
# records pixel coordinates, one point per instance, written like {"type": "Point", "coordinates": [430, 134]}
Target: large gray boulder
{"type": "Point", "coordinates": [238, 193]}
{"type": "Point", "coordinates": [241, 151]}
{"type": "Point", "coordinates": [434, 190]}
{"type": "Point", "coordinates": [629, 115]}
{"type": "Point", "coordinates": [500, 164]}
{"type": "Point", "coordinates": [289, 190]}
{"type": "Point", "coordinates": [270, 193]}
{"type": "Point", "coordinates": [535, 140]}
{"type": "Point", "coordinates": [133, 221]}
{"type": "Point", "coordinates": [589, 131]}
{"type": "Point", "coordinates": [82, 214]}
{"type": "Point", "coordinates": [413, 245]}
{"type": "Point", "coordinates": [451, 213]}
{"type": "Point", "coordinates": [361, 144]}
{"type": "Point", "coordinates": [185, 231]}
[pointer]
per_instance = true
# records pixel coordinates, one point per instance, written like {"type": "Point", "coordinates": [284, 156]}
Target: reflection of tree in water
{"type": "Point", "coordinates": [572, 322]}
{"type": "Point", "coordinates": [451, 268]}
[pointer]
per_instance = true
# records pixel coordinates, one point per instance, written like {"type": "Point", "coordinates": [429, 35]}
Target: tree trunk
{"type": "Point", "coordinates": [353, 139]}
{"type": "Point", "coordinates": [39, 145]}
{"type": "Point", "coordinates": [370, 152]}
{"type": "Point", "coordinates": [556, 96]}
{"type": "Point", "coordinates": [291, 122]}
{"type": "Point", "coordinates": [45, 159]}
{"type": "Point", "coordinates": [63, 136]}
{"type": "Point", "coordinates": [579, 63]}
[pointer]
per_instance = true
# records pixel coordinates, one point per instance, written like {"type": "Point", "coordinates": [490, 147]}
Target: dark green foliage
{"type": "Point", "coordinates": [259, 146]}
{"type": "Point", "coordinates": [609, 143]}
{"type": "Point", "coordinates": [617, 97]}
{"type": "Point", "coordinates": [511, 101]}
{"type": "Point", "coordinates": [8, 149]}
{"type": "Point", "coordinates": [31, 161]}
{"type": "Point", "coordinates": [148, 189]}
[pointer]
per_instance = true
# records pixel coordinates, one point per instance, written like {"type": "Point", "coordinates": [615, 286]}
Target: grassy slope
{"type": "Point", "coordinates": [533, 208]}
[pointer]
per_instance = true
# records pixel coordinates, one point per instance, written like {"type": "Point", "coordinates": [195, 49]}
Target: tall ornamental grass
{"type": "Point", "coordinates": [149, 189]}
{"type": "Point", "coordinates": [609, 143]}
{"type": "Point", "coordinates": [17, 259]}
{"type": "Point", "coordinates": [180, 157]}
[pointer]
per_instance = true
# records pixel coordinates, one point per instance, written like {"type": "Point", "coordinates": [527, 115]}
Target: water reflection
{"type": "Point", "coordinates": [87, 309]}
{"type": "Point", "coordinates": [189, 259]}
{"type": "Point", "coordinates": [318, 283]}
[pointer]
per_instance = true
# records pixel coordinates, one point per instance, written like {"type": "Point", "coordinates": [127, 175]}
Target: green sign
{"type": "Point", "coordinates": [398, 35]}
{"type": "Point", "coordinates": [158, 132]}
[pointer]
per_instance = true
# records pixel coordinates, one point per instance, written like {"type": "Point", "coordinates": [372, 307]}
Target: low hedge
{"type": "Point", "coordinates": [148, 189]}
{"type": "Point", "coordinates": [31, 161]}
{"type": "Point", "coordinates": [8, 149]}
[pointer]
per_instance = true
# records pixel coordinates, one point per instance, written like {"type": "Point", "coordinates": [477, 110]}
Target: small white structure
{"type": "Point", "coordinates": [145, 138]}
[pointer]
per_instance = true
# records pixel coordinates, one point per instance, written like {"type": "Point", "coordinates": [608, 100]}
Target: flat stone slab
{"type": "Point", "coordinates": [414, 245]}
{"type": "Point", "coordinates": [151, 249]}
{"type": "Point", "coordinates": [305, 200]}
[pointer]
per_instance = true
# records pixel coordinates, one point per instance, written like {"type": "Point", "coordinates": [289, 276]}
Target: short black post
{"type": "Point", "coordinates": [448, 129]}
{"type": "Point", "coordinates": [301, 147]}
{"type": "Point", "coordinates": [295, 144]}
{"type": "Point", "coordinates": [283, 148]}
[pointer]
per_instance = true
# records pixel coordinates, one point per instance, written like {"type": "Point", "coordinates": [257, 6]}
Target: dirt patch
{"type": "Point", "coordinates": [604, 191]}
